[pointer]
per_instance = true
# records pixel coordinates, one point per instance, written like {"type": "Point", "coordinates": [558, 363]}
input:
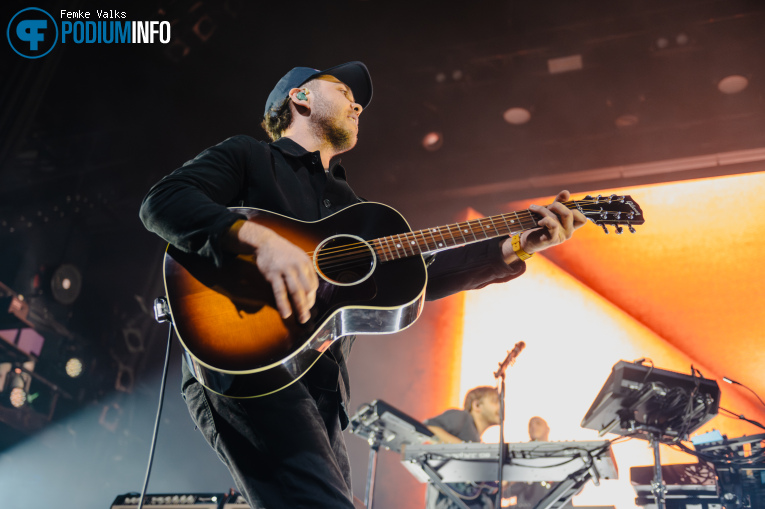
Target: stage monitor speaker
{"type": "Point", "coordinates": [171, 501]}
{"type": "Point", "coordinates": [230, 500]}
{"type": "Point", "coordinates": [639, 398]}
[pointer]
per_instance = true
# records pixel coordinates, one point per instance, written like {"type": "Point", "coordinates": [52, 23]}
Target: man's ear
{"type": "Point", "coordinates": [300, 97]}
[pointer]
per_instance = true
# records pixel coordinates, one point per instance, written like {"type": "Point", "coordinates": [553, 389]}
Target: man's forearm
{"type": "Point", "coordinates": [444, 436]}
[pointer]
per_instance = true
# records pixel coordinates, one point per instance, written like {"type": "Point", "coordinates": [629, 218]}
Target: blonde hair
{"type": "Point", "coordinates": [477, 394]}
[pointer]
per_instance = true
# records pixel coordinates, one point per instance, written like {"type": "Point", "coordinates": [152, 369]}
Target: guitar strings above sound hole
{"type": "Point", "coordinates": [344, 260]}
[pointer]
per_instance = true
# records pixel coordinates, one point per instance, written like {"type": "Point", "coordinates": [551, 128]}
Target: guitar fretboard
{"type": "Point", "coordinates": [453, 235]}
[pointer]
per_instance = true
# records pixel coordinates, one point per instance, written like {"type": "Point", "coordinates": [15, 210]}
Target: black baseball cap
{"type": "Point", "coordinates": [354, 74]}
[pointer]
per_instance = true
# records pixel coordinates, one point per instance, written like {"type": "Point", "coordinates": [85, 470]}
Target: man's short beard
{"type": "Point", "coordinates": [327, 129]}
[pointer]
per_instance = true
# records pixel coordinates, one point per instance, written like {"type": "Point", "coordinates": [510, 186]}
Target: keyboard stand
{"type": "Point", "coordinates": [564, 491]}
{"type": "Point", "coordinates": [443, 488]}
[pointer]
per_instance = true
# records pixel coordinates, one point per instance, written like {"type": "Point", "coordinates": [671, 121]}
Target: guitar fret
{"type": "Point", "coordinates": [387, 244]}
{"type": "Point", "coordinates": [403, 243]}
{"type": "Point", "coordinates": [425, 241]}
{"type": "Point", "coordinates": [435, 242]}
{"type": "Point", "coordinates": [411, 244]}
{"type": "Point", "coordinates": [459, 228]}
{"type": "Point", "coordinates": [493, 225]}
{"type": "Point", "coordinates": [378, 250]}
{"type": "Point", "coordinates": [399, 246]}
{"type": "Point", "coordinates": [472, 230]}
{"type": "Point", "coordinates": [475, 227]}
{"type": "Point", "coordinates": [451, 234]}
{"type": "Point", "coordinates": [442, 238]}
{"type": "Point", "coordinates": [389, 255]}
{"type": "Point", "coordinates": [483, 229]}
{"type": "Point", "coordinates": [530, 217]}
{"type": "Point", "coordinates": [383, 245]}
{"type": "Point", "coordinates": [504, 218]}
{"type": "Point", "coordinates": [414, 243]}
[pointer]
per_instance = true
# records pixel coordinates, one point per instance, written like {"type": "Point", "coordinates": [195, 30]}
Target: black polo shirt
{"type": "Point", "coordinates": [188, 208]}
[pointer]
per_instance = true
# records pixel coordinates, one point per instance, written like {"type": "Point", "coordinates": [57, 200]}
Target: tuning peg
{"type": "Point", "coordinates": [611, 198]}
{"type": "Point", "coordinates": [618, 230]}
{"type": "Point", "coordinates": [604, 228]}
{"type": "Point", "coordinates": [588, 197]}
{"type": "Point", "coordinates": [631, 228]}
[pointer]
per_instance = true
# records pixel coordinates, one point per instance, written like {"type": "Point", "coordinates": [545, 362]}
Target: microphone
{"type": "Point", "coordinates": [510, 359]}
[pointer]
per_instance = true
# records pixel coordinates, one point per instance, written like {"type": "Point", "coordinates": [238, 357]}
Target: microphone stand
{"type": "Point", "coordinates": [500, 374]}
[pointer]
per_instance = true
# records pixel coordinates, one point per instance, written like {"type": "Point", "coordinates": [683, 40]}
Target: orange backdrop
{"type": "Point", "coordinates": [686, 289]}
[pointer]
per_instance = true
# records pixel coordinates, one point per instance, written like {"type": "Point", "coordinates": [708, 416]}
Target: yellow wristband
{"type": "Point", "coordinates": [520, 253]}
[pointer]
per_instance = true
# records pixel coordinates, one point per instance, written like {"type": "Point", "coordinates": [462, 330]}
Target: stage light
{"type": "Point", "coordinates": [66, 284]}
{"type": "Point", "coordinates": [74, 367]}
{"type": "Point", "coordinates": [18, 392]}
{"type": "Point", "coordinates": [204, 28]}
{"type": "Point", "coordinates": [432, 141]}
{"type": "Point", "coordinates": [517, 116]}
{"type": "Point", "coordinates": [565, 64]}
{"type": "Point", "coordinates": [626, 121]}
{"type": "Point", "coordinates": [733, 84]}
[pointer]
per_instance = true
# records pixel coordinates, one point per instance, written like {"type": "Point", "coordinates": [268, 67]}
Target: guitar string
{"type": "Point", "coordinates": [359, 251]}
{"type": "Point", "coordinates": [352, 253]}
{"type": "Point", "coordinates": [467, 223]}
{"type": "Point", "coordinates": [528, 213]}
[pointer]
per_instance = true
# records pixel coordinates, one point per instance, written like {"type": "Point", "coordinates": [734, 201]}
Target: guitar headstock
{"type": "Point", "coordinates": [611, 210]}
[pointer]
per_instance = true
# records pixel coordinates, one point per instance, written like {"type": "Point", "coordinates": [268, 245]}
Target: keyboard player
{"type": "Point", "coordinates": [480, 412]}
{"type": "Point", "coordinates": [526, 495]}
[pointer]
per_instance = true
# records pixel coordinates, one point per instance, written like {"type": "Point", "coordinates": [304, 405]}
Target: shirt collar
{"type": "Point", "coordinates": [291, 148]}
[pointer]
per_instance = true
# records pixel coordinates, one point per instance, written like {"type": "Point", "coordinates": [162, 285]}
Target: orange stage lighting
{"type": "Point", "coordinates": [684, 290]}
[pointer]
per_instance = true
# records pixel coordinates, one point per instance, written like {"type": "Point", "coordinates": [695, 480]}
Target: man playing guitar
{"type": "Point", "coordinates": [286, 448]}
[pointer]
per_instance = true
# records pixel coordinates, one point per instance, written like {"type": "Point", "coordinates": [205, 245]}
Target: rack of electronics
{"type": "Point", "coordinates": [660, 406]}
{"type": "Point", "coordinates": [637, 401]}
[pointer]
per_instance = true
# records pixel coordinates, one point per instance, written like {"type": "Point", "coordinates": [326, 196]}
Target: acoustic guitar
{"type": "Point", "coordinates": [372, 279]}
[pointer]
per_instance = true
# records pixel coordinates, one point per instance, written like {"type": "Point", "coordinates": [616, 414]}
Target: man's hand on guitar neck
{"type": "Point", "coordinates": [287, 267]}
{"type": "Point", "coordinates": [556, 226]}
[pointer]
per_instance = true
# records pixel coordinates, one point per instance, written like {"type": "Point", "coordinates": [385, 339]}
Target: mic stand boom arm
{"type": "Point", "coordinates": [500, 373]}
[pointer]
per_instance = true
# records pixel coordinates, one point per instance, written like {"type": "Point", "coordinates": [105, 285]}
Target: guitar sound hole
{"type": "Point", "coordinates": [344, 260]}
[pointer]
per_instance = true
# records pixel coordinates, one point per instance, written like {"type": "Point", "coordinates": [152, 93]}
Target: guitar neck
{"type": "Point", "coordinates": [431, 240]}
{"type": "Point", "coordinates": [616, 211]}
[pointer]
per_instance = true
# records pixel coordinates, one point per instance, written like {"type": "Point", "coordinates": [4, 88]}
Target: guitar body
{"type": "Point", "coordinates": [372, 280]}
{"type": "Point", "coordinates": [234, 340]}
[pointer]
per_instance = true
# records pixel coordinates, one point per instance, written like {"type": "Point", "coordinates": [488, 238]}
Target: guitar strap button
{"type": "Point", "coordinates": [327, 203]}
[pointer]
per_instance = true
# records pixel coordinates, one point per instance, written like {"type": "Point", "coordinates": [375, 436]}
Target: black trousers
{"type": "Point", "coordinates": [285, 450]}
